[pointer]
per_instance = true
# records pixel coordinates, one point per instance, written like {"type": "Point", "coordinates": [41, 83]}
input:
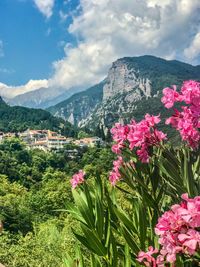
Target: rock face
{"type": "Point", "coordinates": [79, 107]}
{"type": "Point", "coordinates": [132, 88]}
{"type": "Point", "coordinates": [122, 80]}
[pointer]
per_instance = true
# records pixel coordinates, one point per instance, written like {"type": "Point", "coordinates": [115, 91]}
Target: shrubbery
{"type": "Point", "coordinates": [35, 189]}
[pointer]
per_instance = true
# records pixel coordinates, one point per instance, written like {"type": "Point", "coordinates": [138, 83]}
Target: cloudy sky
{"type": "Point", "coordinates": [67, 43]}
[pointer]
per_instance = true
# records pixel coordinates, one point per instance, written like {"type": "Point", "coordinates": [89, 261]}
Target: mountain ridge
{"type": "Point", "coordinates": [42, 97]}
{"type": "Point", "coordinates": [130, 82]}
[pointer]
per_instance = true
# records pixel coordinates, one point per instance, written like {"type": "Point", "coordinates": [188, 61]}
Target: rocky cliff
{"type": "Point", "coordinates": [122, 79]}
{"type": "Point", "coordinates": [80, 106]}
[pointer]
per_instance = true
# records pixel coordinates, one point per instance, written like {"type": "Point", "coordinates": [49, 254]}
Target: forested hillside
{"type": "Point", "coordinates": [15, 119]}
{"type": "Point", "coordinates": [35, 189]}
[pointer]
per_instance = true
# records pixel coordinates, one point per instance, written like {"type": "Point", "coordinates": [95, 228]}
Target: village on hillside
{"type": "Point", "coordinates": [47, 140]}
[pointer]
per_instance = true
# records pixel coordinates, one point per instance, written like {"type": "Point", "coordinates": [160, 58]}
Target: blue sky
{"type": "Point", "coordinates": [31, 42]}
{"type": "Point", "coordinates": [72, 43]}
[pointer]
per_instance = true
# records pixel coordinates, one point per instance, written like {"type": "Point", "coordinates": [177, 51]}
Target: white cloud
{"type": "Point", "coordinates": [45, 7]}
{"type": "Point", "coordinates": [1, 49]}
{"type": "Point", "coordinates": [12, 91]}
{"type": "Point", "coordinates": [106, 30]}
{"type": "Point", "coordinates": [109, 29]}
{"type": "Point", "coordinates": [193, 50]}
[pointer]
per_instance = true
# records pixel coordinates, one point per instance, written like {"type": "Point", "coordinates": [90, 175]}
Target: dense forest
{"type": "Point", "coordinates": [17, 119]}
{"type": "Point", "coordinates": [35, 190]}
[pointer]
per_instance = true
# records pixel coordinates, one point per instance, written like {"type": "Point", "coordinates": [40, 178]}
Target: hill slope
{"type": "Point", "coordinates": [15, 119]}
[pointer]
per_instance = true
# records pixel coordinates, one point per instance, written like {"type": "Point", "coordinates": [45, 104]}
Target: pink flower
{"type": "Point", "coordinates": [170, 97]}
{"type": "Point", "coordinates": [152, 120]}
{"type": "Point", "coordinates": [147, 258]}
{"type": "Point", "coordinates": [119, 132]}
{"type": "Point", "coordinates": [159, 136]}
{"type": "Point", "coordinates": [115, 174]}
{"type": "Point", "coordinates": [77, 179]}
{"type": "Point", "coordinates": [177, 229]}
{"type": "Point", "coordinates": [141, 136]}
{"type": "Point", "coordinates": [143, 154]}
{"type": "Point", "coordinates": [160, 261]}
{"type": "Point", "coordinates": [190, 211]}
{"type": "Point", "coordinates": [114, 177]}
{"type": "Point", "coordinates": [116, 148]}
{"type": "Point", "coordinates": [170, 246]}
{"type": "Point", "coordinates": [191, 92]}
{"type": "Point", "coordinates": [190, 241]}
{"type": "Point", "coordinates": [187, 121]}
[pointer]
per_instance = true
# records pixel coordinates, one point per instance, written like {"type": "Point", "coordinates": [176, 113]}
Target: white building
{"type": "Point", "coordinates": [44, 139]}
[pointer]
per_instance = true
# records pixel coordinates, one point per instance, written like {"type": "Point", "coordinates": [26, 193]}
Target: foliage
{"type": "Point", "coordinates": [17, 119]}
{"type": "Point", "coordinates": [35, 188]}
{"type": "Point", "coordinates": [108, 224]}
{"type": "Point", "coordinates": [48, 245]}
{"type": "Point", "coordinates": [151, 176]}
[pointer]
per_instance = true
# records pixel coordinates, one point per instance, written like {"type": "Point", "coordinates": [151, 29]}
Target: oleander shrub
{"type": "Point", "coordinates": [148, 213]}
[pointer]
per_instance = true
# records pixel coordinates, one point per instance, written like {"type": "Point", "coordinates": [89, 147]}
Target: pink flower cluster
{"type": "Point", "coordinates": [140, 136]}
{"type": "Point", "coordinates": [149, 258]}
{"type": "Point", "coordinates": [119, 134]}
{"type": "Point", "coordinates": [77, 178]}
{"type": "Point", "coordinates": [115, 174]}
{"type": "Point", "coordinates": [178, 231]}
{"type": "Point", "coordinates": [187, 121]}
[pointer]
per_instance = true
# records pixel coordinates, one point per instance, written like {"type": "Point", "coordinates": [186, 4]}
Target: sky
{"type": "Point", "coordinates": [72, 43]}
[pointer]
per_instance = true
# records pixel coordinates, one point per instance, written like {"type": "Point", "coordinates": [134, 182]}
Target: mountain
{"type": "Point", "coordinates": [132, 88]}
{"type": "Point", "coordinates": [42, 97]}
{"type": "Point", "coordinates": [14, 119]}
{"type": "Point", "coordinates": [80, 105]}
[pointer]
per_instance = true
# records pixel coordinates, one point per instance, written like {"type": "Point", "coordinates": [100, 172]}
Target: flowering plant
{"type": "Point", "coordinates": [178, 231]}
{"type": "Point", "coordinates": [187, 121]}
{"type": "Point", "coordinates": [119, 222]}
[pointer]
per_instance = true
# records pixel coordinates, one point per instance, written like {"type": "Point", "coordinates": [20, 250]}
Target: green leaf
{"type": "Point", "coordinates": [130, 239]}
{"type": "Point", "coordinates": [94, 241]}
{"type": "Point", "coordinates": [75, 213]}
{"type": "Point", "coordinates": [187, 174]}
{"type": "Point", "coordinates": [80, 257]}
{"type": "Point", "coordinates": [127, 256]}
{"type": "Point", "coordinates": [99, 212]}
{"type": "Point", "coordinates": [84, 209]}
{"type": "Point", "coordinates": [125, 220]}
{"type": "Point", "coordinates": [113, 250]}
{"type": "Point", "coordinates": [142, 225]}
{"type": "Point", "coordinates": [83, 241]}
{"type": "Point", "coordinates": [95, 262]}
